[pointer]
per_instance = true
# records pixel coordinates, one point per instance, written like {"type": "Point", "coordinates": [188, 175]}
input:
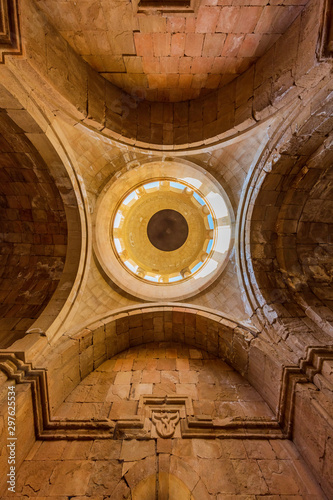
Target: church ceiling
{"type": "Point", "coordinates": [171, 56]}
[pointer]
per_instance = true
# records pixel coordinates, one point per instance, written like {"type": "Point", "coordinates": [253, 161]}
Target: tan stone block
{"type": "Point", "coordinates": [171, 353]}
{"type": "Point", "coordinates": [188, 377]}
{"type": "Point", "coordinates": [285, 449]}
{"type": "Point", "coordinates": [182, 364]}
{"type": "Point", "coordinates": [77, 450]}
{"type": "Point", "coordinates": [136, 377]}
{"type": "Point", "coordinates": [137, 450]}
{"type": "Point", "coordinates": [233, 449]}
{"type": "Point", "coordinates": [98, 393]}
{"type": "Point", "coordinates": [122, 409]}
{"type": "Point", "coordinates": [78, 395]}
{"type": "Point", "coordinates": [166, 364]}
{"type": "Point", "coordinates": [127, 365]}
{"type": "Point", "coordinates": [107, 366]}
{"type": "Point", "coordinates": [33, 450]}
{"type": "Point", "coordinates": [193, 44]}
{"type": "Point", "coordinates": [279, 476]}
{"type": "Point", "coordinates": [89, 411]}
{"type": "Point", "coordinates": [183, 471]}
{"type": "Point", "coordinates": [164, 462]}
{"type": "Point", "coordinates": [121, 491]}
{"type": "Point", "coordinates": [248, 393]}
{"type": "Point", "coordinates": [208, 391]}
{"type": "Point", "coordinates": [259, 449]}
{"type": "Point", "coordinates": [161, 43]}
{"type": "Point", "coordinates": [117, 392]}
{"type": "Point", "coordinates": [206, 449]}
{"type": "Point", "coordinates": [140, 471]}
{"type": "Point", "coordinates": [153, 377]}
{"type": "Point", "coordinates": [70, 477]}
{"type": "Point", "coordinates": [118, 365]}
{"type": "Point", "coordinates": [204, 407]}
{"type": "Point", "coordinates": [138, 390]}
{"type": "Point", "coordinates": [163, 445]}
{"type": "Point", "coordinates": [164, 389]}
{"type": "Point", "coordinates": [34, 477]}
{"type": "Point", "coordinates": [96, 96]}
{"type": "Point", "coordinates": [187, 390]}
{"type": "Point", "coordinates": [213, 44]}
{"type": "Point", "coordinates": [178, 44]}
{"type": "Point", "coordinates": [122, 324]}
{"type": "Point", "coordinates": [105, 449]}
{"type": "Point", "coordinates": [105, 476]}
{"type": "Point", "coordinates": [123, 378]}
{"type": "Point", "coordinates": [200, 491]}
{"type": "Point", "coordinates": [169, 376]}
{"type": "Point", "coordinates": [195, 354]}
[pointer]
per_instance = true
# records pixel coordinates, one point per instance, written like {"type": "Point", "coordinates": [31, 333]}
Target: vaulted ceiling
{"type": "Point", "coordinates": [171, 56]}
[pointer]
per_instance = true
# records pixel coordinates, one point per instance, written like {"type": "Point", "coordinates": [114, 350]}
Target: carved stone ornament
{"type": "Point", "coordinates": [165, 422]}
{"type": "Point", "coordinates": [10, 39]}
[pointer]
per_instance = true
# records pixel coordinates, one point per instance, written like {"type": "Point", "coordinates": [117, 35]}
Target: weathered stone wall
{"type": "Point", "coordinates": [275, 80]}
{"type": "Point", "coordinates": [70, 361]}
{"type": "Point", "coordinates": [313, 425]}
{"type": "Point", "coordinates": [24, 426]}
{"type": "Point", "coordinates": [113, 390]}
{"type": "Point", "coordinates": [290, 241]}
{"type": "Point", "coordinates": [126, 467]}
{"type": "Point", "coordinates": [33, 230]}
{"type": "Point", "coordinates": [209, 470]}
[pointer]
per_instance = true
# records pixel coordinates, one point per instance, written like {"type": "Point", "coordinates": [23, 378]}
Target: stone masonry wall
{"type": "Point", "coordinates": [171, 468]}
{"type": "Point", "coordinates": [276, 79]}
{"type": "Point", "coordinates": [33, 231]}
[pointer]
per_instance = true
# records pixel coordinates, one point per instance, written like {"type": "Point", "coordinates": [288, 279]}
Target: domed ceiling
{"type": "Point", "coordinates": [171, 55]}
{"type": "Point", "coordinates": [164, 231]}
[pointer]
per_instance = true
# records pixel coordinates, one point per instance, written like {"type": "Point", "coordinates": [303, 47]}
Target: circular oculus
{"type": "Point", "coordinates": [167, 230]}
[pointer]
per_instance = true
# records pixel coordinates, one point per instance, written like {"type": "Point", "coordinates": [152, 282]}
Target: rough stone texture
{"type": "Point", "coordinates": [216, 113]}
{"type": "Point", "coordinates": [230, 36]}
{"type": "Point", "coordinates": [216, 389]}
{"type": "Point", "coordinates": [261, 126]}
{"type": "Point", "coordinates": [207, 469]}
{"type": "Point", "coordinates": [73, 360]}
{"type": "Point", "coordinates": [33, 229]}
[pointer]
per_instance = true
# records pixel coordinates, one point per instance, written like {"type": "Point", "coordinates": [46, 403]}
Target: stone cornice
{"type": "Point", "coordinates": [142, 424]}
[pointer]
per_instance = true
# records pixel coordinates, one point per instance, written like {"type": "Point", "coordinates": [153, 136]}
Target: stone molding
{"type": "Point", "coordinates": [326, 40]}
{"type": "Point", "coordinates": [280, 149]}
{"type": "Point", "coordinates": [147, 7]}
{"type": "Point", "coordinates": [10, 36]}
{"type": "Point", "coordinates": [142, 425]}
{"type": "Point", "coordinates": [293, 375]}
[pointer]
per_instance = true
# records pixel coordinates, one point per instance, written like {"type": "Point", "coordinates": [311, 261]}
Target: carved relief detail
{"type": "Point", "coordinates": [165, 422]}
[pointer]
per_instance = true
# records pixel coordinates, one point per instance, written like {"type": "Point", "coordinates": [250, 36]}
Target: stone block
{"type": "Point", "coordinates": [105, 476]}
{"type": "Point", "coordinates": [193, 44]}
{"type": "Point", "coordinates": [102, 449]}
{"type": "Point", "coordinates": [137, 450]}
{"type": "Point", "coordinates": [140, 471]}
{"type": "Point", "coordinates": [70, 477]}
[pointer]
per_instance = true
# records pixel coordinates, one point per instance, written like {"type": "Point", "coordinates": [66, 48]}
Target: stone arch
{"type": "Point", "coordinates": [41, 225]}
{"type": "Point", "coordinates": [280, 282]}
{"type": "Point", "coordinates": [82, 350]}
{"type": "Point", "coordinates": [258, 93]}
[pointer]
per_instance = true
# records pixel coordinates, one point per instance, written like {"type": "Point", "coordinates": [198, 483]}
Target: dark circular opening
{"type": "Point", "coordinates": [167, 230]}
